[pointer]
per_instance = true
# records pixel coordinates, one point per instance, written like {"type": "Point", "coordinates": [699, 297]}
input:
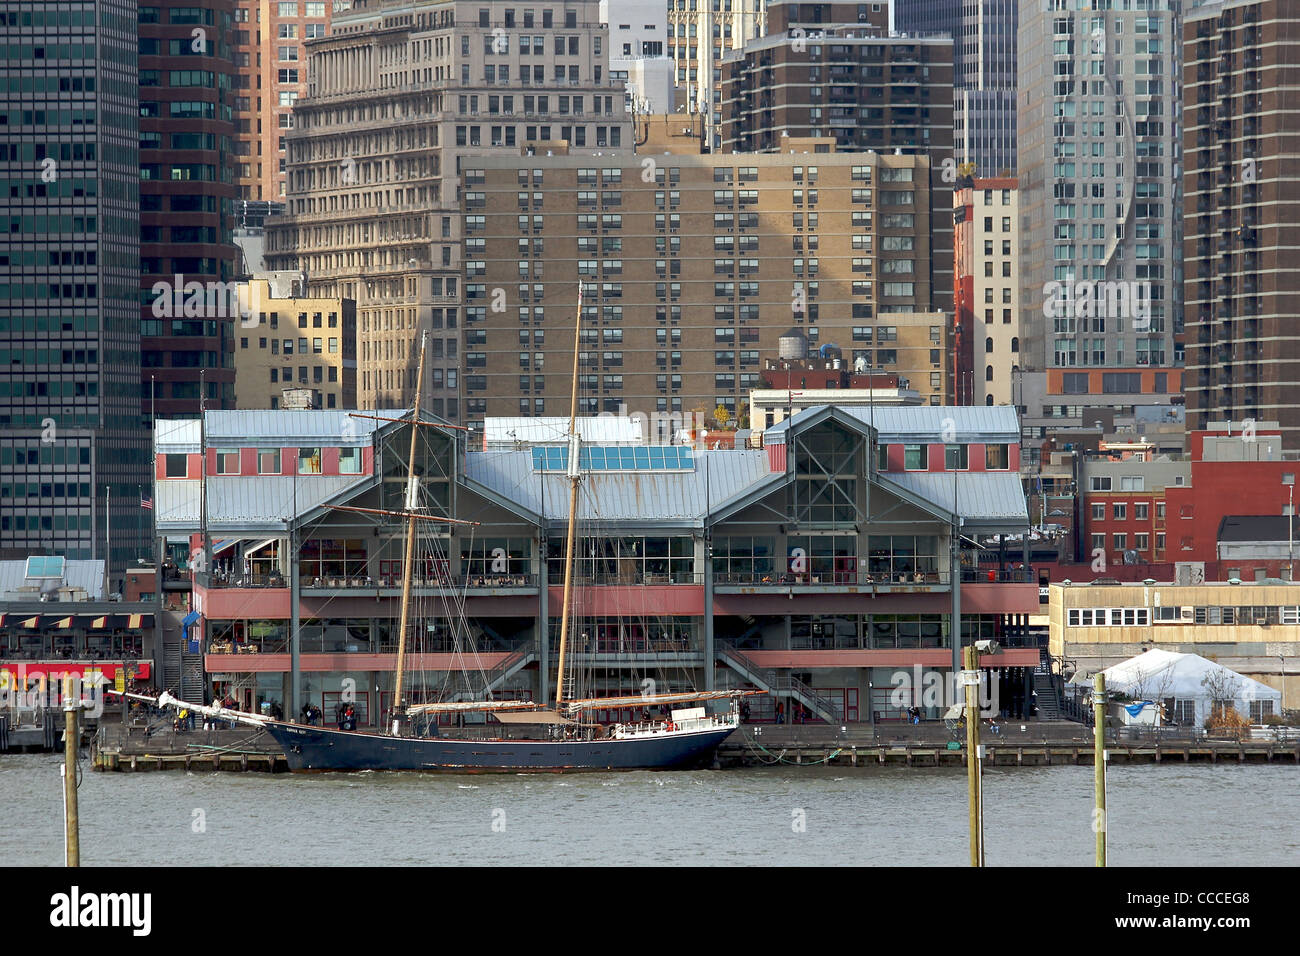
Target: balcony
{"type": "Point", "coordinates": [626, 578]}
{"type": "Point", "coordinates": [881, 579]}
{"type": "Point", "coordinates": [373, 585]}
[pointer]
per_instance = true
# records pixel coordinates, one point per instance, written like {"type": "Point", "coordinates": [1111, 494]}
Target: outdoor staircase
{"type": "Point", "coordinates": [192, 680]}
{"type": "Point", "coordinates": [171, 665]}
{"type": "Point", "coordinates": [511, 665]}
{"type": "Point", "coordinates": [778, 684]}
{"type": "Point", "coordinates": [1045, 686]}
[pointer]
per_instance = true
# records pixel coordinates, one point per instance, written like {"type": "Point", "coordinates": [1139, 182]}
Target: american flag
{"type": "Point", "coordinates": [146, 502]}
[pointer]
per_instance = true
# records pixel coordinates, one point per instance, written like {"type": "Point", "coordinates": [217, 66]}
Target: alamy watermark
{"type": "Point", "coordinates": [1118, 299]}
{"type": "Point", "coordinates": [207, 299]}
{"type": "Point", "coordinates": [37, 689]}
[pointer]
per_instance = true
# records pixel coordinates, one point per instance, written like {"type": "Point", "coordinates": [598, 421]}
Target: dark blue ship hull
{"type": "Point", "coordinates": [322, 749]}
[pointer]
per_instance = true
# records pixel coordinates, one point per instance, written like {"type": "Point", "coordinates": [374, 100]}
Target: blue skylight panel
{"type": "Point", "coordinates": [615, 458]}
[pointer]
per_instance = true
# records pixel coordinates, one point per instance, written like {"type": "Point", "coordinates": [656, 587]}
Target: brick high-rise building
{"type": "Point", "coordinates": [692, 274]}
{"type": "Point", "coordinates": [69, 266]}
{"type": "Point", "coordinates": [271, 73]}
{"type": "Point", "coordinates": [187, 192]}
{"type": "Point", "coordinates": [399, 94]}
{"type": "Point", "coordinates": [833, 69]}
{"type": "Point", "coordinates": [1241, 213]}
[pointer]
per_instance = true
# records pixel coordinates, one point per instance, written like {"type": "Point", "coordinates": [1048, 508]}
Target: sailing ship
{"type": "Point", "coordinates": [564, 737]}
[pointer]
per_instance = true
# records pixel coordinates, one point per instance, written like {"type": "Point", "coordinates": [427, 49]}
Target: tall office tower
{"type": "Point", "coordinates": [983, 76]}
{"type": "Point", "coordinates": [690, 280]}
{"type": "Point", "coordinates": [69, 312]}
{"type": "Point", "coordinates": [398, 94]}
{"type": "Point", "coordinates": [701, 34]}
{"type": "Point", "coordinates": [1241, 212]}
{"type": "Point", "coordinates": [638, 58]}
{"type": "Point", "coordinates": [820, 71]}
{"type": "Point", "coordinates": [1100, 197]}
{"type": "Point", "coordinates": [188, 258]}
{"type": "Point", "coordinates": [270, 75]}
{"type": "Point", "coordinates": [927, 16]}
{"type": "Point", "coordinates": [984, 87]}
{"type": "Point", "coordinates": [987, 291]}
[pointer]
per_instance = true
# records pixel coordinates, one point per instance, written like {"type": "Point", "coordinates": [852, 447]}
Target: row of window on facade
{"type": "Point", "coordinates": [269, 462]}
{"type": "Point", "coordinates": [285, 346]}
{"type": "Point", "coordinates": [1261, 614]}
{"type": "Point", "coordinates": [997, 457]}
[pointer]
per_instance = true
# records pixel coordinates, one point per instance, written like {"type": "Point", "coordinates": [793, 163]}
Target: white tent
{"type": "Point", "coordinates": [1192, 682]}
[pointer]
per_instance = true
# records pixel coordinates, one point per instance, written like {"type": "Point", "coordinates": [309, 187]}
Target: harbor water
{"type": "Point", "coordinates": [1159, 815]}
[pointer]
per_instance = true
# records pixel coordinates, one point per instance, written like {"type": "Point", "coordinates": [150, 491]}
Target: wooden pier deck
{"type": "Point", "coordinates": [1041, 744]}
{"type": "Point", "coordinates": [932, 745]}
{"type": "Point", "coordinates": [198, 750]}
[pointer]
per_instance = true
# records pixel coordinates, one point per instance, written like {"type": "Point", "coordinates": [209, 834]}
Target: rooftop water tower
{"type": "Point", "coordinates": [793, 345]}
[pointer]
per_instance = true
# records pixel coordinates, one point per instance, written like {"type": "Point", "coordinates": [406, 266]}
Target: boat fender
{"type": "Point", "coordinates": [670, 726]}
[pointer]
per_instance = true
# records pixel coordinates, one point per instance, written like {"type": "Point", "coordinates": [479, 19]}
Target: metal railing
{"type": "Point", "coordinates": [996, 576]}
{"type": "Point", "coordinates": [882, 578]}
{"type": "Point", "coordinates": [631, 577]}
{"type": "Point", "coordinates": [779, 683]}
{"type": "Point", "coordinates": [366, 582]}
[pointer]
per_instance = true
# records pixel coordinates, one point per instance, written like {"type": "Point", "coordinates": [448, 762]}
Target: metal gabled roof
{"type": "Point", "coordinates": [919, 423]}
{"type": "Point", "coordinates": [292, 426]}
{"type": "Point", "coordinates": [249, 503]}
{"type": "Point", "coordinates": [177, 435]}
{"type": "Point", "coordinates": [993, 500]}
{"type": "Point", "coordinates": [247, 428]}
{"type": "Point", "coordinates": [680, 498]}
{"type": "Point", "coordinates": [77, 573]}
{"type": "Point", "coordinates": [595, 429]}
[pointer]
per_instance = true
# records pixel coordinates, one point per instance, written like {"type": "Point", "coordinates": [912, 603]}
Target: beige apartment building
{"type": "Point", "coordinates": [298, 343]}
{"type": "Point", "coordinates": [398, 96]}
{"type": "Point", "coordinates": [692, 267]}
{"type": "Point", "coordinates": [988, 283]}
{"type": "Point", "coordinates": [1241, 138]}
{"type": "Point", "coordinates": [271, 74]}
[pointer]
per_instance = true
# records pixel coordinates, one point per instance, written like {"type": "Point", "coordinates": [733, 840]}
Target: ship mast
{"type": "Point", "coordinates": [408, 559]}
{"type": "Point", "coordinates": [574, 478]}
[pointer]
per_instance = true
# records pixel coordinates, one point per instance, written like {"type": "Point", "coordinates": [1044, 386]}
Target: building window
{"type": "Point", "coordinates": [177, 466]}
{"type": "Point", "coordinates": [997, 457]}
{"type": "Point", "coordinates": [916, 457]}
{"type": "Point", "coordinates": [268, 461]}
{"type": "Point", "coordinates": [227, 461]}
{"type": "Point", "coordinates": [349, 461]}
{"type": "Point", "coordinates": [309, 461]}
{"type": "Point", "coordinates": [1119, 511]}
{"type": "Point", "coordinates": [955, 457]}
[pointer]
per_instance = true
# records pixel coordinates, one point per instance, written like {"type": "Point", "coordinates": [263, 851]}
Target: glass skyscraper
{"type": "Point", "coordinates": [70, 425]}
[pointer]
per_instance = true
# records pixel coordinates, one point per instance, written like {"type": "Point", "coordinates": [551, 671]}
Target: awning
{"type": "Point", "coordinates": [531, 717]}
{"type": "Point", "coordinates": [218, 546]}
{"type": "Point", "coordinates": [63, 623]}
{"type": "Point", "coordinates": [259, 546]}
{"type": "Point", "coordinates": [99, 623]}
{"type": "Point", "coordinates": [190, 618]}
{"type": "Point", "coordinates": [133, 620]}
